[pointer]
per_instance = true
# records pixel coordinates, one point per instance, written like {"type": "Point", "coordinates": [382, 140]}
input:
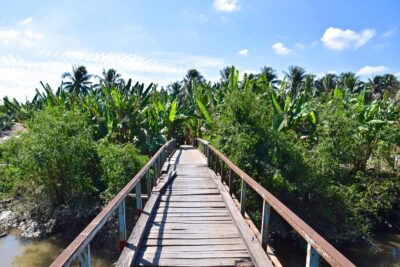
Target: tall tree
{"type": "Point", "coordinates": [295, 77]}
{"type": "Point", "coordinates": [110, 78]}
{"type": "Point", "coordinates": [78, 82]}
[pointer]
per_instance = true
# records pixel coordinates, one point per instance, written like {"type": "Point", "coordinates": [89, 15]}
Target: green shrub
{"type": "Point", "coordinates": [118, 165]}
{"type": "Point", "coordinates": [56, 159]}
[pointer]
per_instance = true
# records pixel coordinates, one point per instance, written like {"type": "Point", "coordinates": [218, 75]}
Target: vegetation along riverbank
{"type": "Point", "coordinates": [328, 147]}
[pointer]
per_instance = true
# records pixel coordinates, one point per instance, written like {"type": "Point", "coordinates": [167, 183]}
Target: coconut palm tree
{"type": "Point", "coordinates": [349, 80]}
{"type": "Point", "coordinates": [295, 77]}
{"type": "Point", "coordinates": [270, 74]}
{"type": "Point", "coordinates": [78, 81]}
{"type": "Point", "coordinates": [110, 78]}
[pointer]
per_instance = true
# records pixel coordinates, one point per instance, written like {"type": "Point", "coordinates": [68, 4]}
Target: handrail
{"type": "Point", "coordinates": [316, 243]}
{"type": "Point", "coordinates": [80, 247]}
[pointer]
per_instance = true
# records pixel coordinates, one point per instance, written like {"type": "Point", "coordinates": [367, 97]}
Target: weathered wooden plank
{"type": "Point", "coordinates": [192, 205]}
{"type": "Point", "coordinates": [190, 219]}
{"type": "Point", "coordinates": [194, 214]}
{"type": "Point", "coordinates": [172, 210]}
{"type": "Point", "coordinates": [178, 226]}
{"type": "Point", "coordinates": [192, 242]}
{"type": "Point", "coordinates": [188, 231]}
{"type": "Point", "coordinates": [190, 262]}
{"type": "Point", "coordinates": [195, 255]}
{"type": "Point", "coordinates": [237, 247]}
{"type": "Point", "coordinates": [179, 235]}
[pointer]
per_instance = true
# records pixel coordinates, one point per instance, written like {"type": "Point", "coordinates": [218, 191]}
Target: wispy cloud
{"type": "Point", "coordinates": [243, 52]}
{"type": "Point", "coordinates": [27, 20]}
{"type": "Point", "coordinates": [372, 70]}
{"type": "Point", "coordinates": [226, 5]}
{"type": "Point", "coordinates": [338, 39]}
{"type": "Point", "coordinates": [300, 46]}
{"type": "Point", "coordinates": [280, 49]}
{"type": "Point", "coordinates": [21, 74]}
{"type": "Point", "coordinates": [389, 33]}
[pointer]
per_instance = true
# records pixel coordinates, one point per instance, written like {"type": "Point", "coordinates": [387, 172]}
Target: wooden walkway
{"type": "Point", "coordinates": [191, 224]}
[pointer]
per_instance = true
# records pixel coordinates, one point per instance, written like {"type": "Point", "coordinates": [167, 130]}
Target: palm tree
{"type": "Point", "coordinates": [391, 84]}
{"type": "Point", "coordinates": [295, 77]}
{"type": "Point", "coordinates": [349, 80]}
{"type": "Point", "coordinates": [110, 78]}
{"type": "Point", "coordinates": [78, 82]}
{"type": "Point", "coordinates": [327, 83]}
{"type": "Point", "coordinates": [270, 74]}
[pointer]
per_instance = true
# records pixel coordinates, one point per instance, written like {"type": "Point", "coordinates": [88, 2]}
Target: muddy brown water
{"type": "Point", "coordinates": [20, 252]}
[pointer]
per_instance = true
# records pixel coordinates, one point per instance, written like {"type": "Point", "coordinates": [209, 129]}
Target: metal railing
{"type": "Point", "coordinates": [316, 244]}
{"type": "Point", "coordinates": [80, 247]}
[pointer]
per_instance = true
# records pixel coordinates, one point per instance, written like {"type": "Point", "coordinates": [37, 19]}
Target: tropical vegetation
{"type": "Point", "coordinates": [328, 146]}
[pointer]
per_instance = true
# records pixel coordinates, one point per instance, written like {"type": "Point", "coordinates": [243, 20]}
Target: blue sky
{"type": "Point", "coordinates": [160, 40]}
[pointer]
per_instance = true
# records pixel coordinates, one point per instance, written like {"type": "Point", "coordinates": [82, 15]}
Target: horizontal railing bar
{"type": "Point", "coordinates": [323, 247]}
{"type": "Point", "coordinates": [84, 238]}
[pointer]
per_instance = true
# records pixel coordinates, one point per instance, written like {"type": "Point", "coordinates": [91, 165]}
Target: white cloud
{"type": "Point", "coordinates": [27, 20]}
{"type": "Point", "coordinates": [280, 49]}
{"type": "Point", "coordinates": [389, 33]}
{"type": "Point", "coordinates": [203, 17]}
{"type": "Point", "coordinates": [372, 70]}
{"type": "Point", "coordinates": [397, 74]}
{"type": "Point", "coordinates": [7, 36]}
{"type": "Point", "coordinates": [338, 39]}
{"type": "Point", "coordinates": [21, 74]}
{"type": "Point", "coordinates": [300, 46]}
{"type": "Point", "coordinates": [243, 52]}
{"type": "Point", "coordinates": [226, 5]}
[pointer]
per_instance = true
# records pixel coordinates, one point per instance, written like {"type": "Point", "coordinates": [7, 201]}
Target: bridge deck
{"type": "Point", "coordinates": [190, 224]}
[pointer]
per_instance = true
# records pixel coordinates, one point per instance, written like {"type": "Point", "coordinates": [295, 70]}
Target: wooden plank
{"type": "Point", "coordinates": [188, 231]}
{"type": "Point", "coordinates": [192, 242]}
{"type": "Point", "coordinates": [195, 255]}
{"type": "Point", "coordinates": [238, 247]}
{"type": "Point", "coordinates": [190, 262]}
{"type": "Point", "coordinates": [219, 204]}
{"type": "Point", "coordinates": [191, 219]}
{"type": "Point", "coordinates": [131, 249]}
{"type": "Point", "coordinates": [193, 214]}
{"type": "Point", "coordinates": [178, 226]}
{"type": "Point", "coordinates": [258, 255]}
{"type": "Point", "coordinates": [190, 235]}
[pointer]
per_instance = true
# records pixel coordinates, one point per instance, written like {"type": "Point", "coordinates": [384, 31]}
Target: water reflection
{"type": "Point", "coordinates": [18, 252]}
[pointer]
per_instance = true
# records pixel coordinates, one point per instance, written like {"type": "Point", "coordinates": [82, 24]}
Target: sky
{"type": "Point", "coordinates": [158, 41]}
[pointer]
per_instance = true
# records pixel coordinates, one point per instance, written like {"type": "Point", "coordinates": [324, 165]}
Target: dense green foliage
{"type": "Point", "coordinates": [59, 162]}
{"type": "Point", "coordinates": [326, 147]}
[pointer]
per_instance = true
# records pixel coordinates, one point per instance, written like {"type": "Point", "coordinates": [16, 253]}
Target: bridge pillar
{"type": "Point", "coordinates": [266, 216]}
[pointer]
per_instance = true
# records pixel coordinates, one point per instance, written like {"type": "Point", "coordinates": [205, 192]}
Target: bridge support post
{"type": "Point", "coordinates": [138, 191]}
{"type": "Point", "coordinates": [230, 181]}
{"type": "Point", "coordinates": [84, 257]}
{"type": "Point", "coordinates": [243, 198]}
{"type": "Point", "coordinates": [312, 257]}
{"type": "Point", "coordinates": [208, 155]}
{"type": "Point", "coordinates": [222, 170]}
{"type": "Point", "coordinates": [122, 225]}
{"type": "Point", "coordinates": [266, 216]}
{"type": "Point", "coordinates": [148, 183]}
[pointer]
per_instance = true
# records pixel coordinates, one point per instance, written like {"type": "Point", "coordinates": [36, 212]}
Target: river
{"type": "Point", "coordinates": [19, 252]}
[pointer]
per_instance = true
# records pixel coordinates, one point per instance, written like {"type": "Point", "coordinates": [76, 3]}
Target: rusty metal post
{"type": "Point", "coordinates": [266, 217]}
{"type": "Point", "coordinates": [122, 225]}
{"type": "Point", "coordinates": [243, 198]}
{"type": "Point", "coordinates": [84, 257]}
{"type": "Point", "coordinates": [312, 257]}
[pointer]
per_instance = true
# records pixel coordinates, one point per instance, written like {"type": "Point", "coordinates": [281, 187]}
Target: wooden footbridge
{"type": "Point", "coordinates": [192, 218]}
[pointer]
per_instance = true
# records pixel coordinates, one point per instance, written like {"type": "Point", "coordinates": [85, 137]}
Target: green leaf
{"type": "Point", "coordinates": [172, 112]}
{"type": "Point", "coordinates": [276, 104]}
{"type": "Point", "coordinates": [313, 117]}
{"type": "Point", "coordinates": [203, 110]}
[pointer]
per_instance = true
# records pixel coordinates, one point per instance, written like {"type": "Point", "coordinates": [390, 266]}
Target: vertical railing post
{"type": "Point", "coordinates": [155, 172]}
{"type": "Point", "coordinates": [266, 217]}
{"type": "Point", "coordinates": [138, 190]}
{"type": "Point", "coordinates": [243, 198]}
{"type": "Point", "coordinates": [84, 257]}
{"type": "Point", "coordinates": [148, 183]}
{"type": "Point", "coordinates": [222, 170]}
{"type": "Point", "coordinates": [312, 257]}
{"type": "Point", "coordinates": [122, 225]}
{"type": "Point", "coordinates": [230, 181]}
{"type": "Point", "coordinates": [208, 155]}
